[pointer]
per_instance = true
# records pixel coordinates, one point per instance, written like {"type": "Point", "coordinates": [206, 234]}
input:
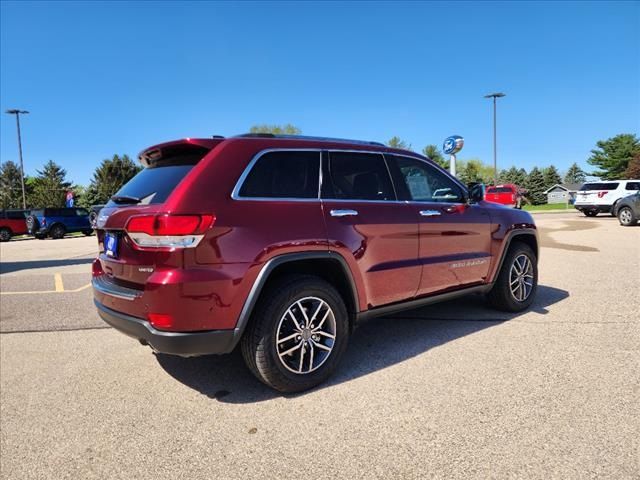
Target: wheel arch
{"type": "Point", "coordinates": [329, 266]}
{"type": "Point", "coordinates": [527, 236]}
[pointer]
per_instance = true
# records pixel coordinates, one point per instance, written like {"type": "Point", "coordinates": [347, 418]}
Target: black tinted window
{"type": "Point", "coordinates": [499, 190]}
{"type": "Point", "coordinates": [633, 186]}
{"type": "Point", "coordinates": [418, 181]}
{"type": "Point", "coordinates": [16, 214]}
{"type": "Point", "coordinates": [286, 174]}
{"type": "Point", "coordinates": [152, 185]}
{"type": "Point", "coordinates": [357, 176]}
{"type": "Point", "coordinates": [599, 186]}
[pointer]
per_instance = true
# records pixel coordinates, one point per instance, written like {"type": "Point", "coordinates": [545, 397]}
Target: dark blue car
{"type": "Point", "coordinates": [56, 222]}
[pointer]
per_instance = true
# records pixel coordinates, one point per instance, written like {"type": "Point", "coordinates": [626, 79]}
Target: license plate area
{"type": "Point", "coordinates": [111, 244]}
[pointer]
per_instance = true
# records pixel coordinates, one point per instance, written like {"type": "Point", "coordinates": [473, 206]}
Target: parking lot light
{"type": "Point", "coordinates": [17, 113]}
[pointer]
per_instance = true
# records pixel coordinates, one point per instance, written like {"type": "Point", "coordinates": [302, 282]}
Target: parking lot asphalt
{"type": "Point", "coordinates": [453, 390]}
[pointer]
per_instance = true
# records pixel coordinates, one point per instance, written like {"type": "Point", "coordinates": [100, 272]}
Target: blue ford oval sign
{"type": "Point", "coordinates": [453, 144]}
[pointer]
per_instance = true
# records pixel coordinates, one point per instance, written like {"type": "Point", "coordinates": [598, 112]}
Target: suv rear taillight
{"type": "Point", "coordinates": [602, 194]}
{"type": "Point", "coordinates": [165, 231]}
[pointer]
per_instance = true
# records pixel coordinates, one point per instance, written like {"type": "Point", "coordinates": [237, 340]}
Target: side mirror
{"type": "Point", "coordinates": [476, 192]}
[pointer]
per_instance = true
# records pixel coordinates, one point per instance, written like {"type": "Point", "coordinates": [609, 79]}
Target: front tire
{"type": "Point", "coordinates": [297, 334]}
{"type": "Point", "coordinates": [626, 218]}
{"type": "Point", "coordinates": [517, 282]}
{"type": "Point", "coordinates": [590, 213]}
{"type": "Point", "coordinates": [57, 232]}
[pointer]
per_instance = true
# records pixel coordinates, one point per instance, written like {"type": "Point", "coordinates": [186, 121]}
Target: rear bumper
{"type": "Point", "coordinates": [592, 207]}
{"type": "Point", "coordinates": [188, 344]}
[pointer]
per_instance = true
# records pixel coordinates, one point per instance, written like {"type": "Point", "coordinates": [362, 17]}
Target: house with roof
{"type": "Point", "coordinates": [562, 193]}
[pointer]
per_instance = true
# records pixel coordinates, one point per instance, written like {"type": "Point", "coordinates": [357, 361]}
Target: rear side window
{"type": "Point", "coordinates": [16, 215]}
{"type": "Point", "coordinates": [632, 186]}
{"type": "Point", "coordinates": [418, 181]}
{"type": "Point", "coordinates": [357, 176]}
{"type": "Point", "coordinates": [283, 174]}
{"type": "Point", "coordinates": [152, 185]}
{"type": "Point", "coordinates": [599, 186]}
{"type": "Point", "coordinates": [499, 190]}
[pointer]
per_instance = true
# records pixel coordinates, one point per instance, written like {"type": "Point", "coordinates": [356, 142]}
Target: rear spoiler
{"type": "Point", "coordinates": [188, 150]}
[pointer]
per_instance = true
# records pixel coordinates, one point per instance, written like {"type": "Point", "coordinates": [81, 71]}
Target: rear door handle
{"type": "Point", "coordinates": [343, 213]}
{"type": "Point", "coordinates": [430, 213]}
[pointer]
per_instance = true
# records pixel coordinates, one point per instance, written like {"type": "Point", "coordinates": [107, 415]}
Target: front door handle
{"type": "Point", "coordinates": [430, 213]}
{"type": "Point", "coordinates": [343, 213]}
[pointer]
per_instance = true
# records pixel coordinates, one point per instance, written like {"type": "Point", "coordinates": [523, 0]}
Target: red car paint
{"type": "Point", "coordinates": [12, 223]}
{"type": "Point", "coordinates": [508, 194]}
{"type": "Point", "coordinates": [393, 254]}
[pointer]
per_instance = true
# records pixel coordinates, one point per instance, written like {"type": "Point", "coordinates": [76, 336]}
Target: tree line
{"type": "Point", "coordinates": [49, 187]}
{"type": "Point", "coordinates": [615, 158]}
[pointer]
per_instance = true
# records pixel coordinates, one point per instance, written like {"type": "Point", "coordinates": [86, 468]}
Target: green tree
{"type": "Point", "coordinates": [575, 174]}
{"type": "Point", "coordinates": [551, 176]}
{"type": "Point", "coordinates": [535, 187]}
{"type": "Point", "coordinates": [50, 186]}
{"type": "Point", "coordinates": [10, 186]}
{"type": "Point", "coordinates": [108, 178]}
{"type": "Point", "coordinates": [397, 142]}
{"type": "Point", "coordinates": [434, 153]}
{"type": "Point", "coordinates": [633, 170]}
{"type": "Point", "coordinates": [473, 170]}
{"type": "Point", "coordinates": [287, 129]}
{"type": "Point", "coordinates": [612, 156]}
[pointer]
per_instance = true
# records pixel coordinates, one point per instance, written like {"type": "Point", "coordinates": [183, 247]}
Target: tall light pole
{"type": "Point", "coordinates": [17, 113]}
{"type": "Point", "coordinates": [495, 143]}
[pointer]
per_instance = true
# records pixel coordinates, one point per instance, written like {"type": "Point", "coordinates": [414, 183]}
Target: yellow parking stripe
{"type": "Point", "coordinates": [58, 281]}
{"type": "Point", "coordinates": [84, 287]}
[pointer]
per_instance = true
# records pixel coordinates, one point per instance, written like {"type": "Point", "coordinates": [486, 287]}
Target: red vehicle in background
{"type": "Point", "coordinates": [12, 223]}
{"type": "Point", "coordinates": [508, 194]}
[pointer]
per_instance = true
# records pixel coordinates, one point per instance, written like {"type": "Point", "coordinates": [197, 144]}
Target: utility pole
{"type": "Point", "coordinates": [495, 140]}
{"type": "Point", "coordinates": [17, 113]}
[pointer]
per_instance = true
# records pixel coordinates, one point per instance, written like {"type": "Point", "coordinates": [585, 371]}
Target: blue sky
{"type": "Point", "coordinates": [105, 78]}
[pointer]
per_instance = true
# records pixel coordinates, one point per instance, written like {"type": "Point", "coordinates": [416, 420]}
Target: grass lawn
{"type": "Point", "coordinates": [548, 207]}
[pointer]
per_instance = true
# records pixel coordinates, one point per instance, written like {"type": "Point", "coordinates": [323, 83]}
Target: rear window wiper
{"type": "Point", "coordinates": [125, 199]}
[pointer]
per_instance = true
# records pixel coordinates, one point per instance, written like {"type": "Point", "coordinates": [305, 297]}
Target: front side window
{"type": "Point", "coordinates": [283, 174]}
{"type": "Point", "coordinates": [633, 186]}
{"type": "Point", "coordinates": [356, 176]}
{"type": "Point", "coordinates": [420, 182]}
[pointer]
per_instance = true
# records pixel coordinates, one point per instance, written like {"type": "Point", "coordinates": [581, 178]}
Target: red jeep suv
{"type": "Point", "coordinates": [282, 243]}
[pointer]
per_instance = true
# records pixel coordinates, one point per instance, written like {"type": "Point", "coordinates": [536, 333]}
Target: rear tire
{"type": "Point", "coordinates": [5, 234]}
{"type": "Point", "coordinates": [33, 225]}
{"type": "Point", "coordinates": [517, 282]}
{"type": "Point", "coordinates": [272, 332]}
{"type": "Point", "coordinates": [626, 218]}
{"type": "Point", "coordinates": [57, 232]}
{"type": "Point", "coordinates": [590, 213]}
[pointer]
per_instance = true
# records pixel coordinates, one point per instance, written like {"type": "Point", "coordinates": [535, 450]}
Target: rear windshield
{"type": "Point", "coordinates": [152, 185]}
{"type": "Point", "coordinates": [499, 190]}
{"type": "Point", "coordinates": [599, 186]}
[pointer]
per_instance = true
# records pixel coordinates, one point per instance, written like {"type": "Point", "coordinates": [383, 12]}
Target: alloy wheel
{"type": "Point", "coordinates": [306, 335]}
{"type": "Point", "coordinates": [625, 216]}
{"type": "Point", "coordinates": [521, 278]}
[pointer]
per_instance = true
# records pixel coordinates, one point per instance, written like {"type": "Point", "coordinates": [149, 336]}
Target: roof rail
{"type": "Point", "coordinates": [306, 137]}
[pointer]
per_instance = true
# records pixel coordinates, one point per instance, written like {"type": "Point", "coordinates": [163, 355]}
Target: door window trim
{"type": "Point", "coordinates": [235, 193]}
